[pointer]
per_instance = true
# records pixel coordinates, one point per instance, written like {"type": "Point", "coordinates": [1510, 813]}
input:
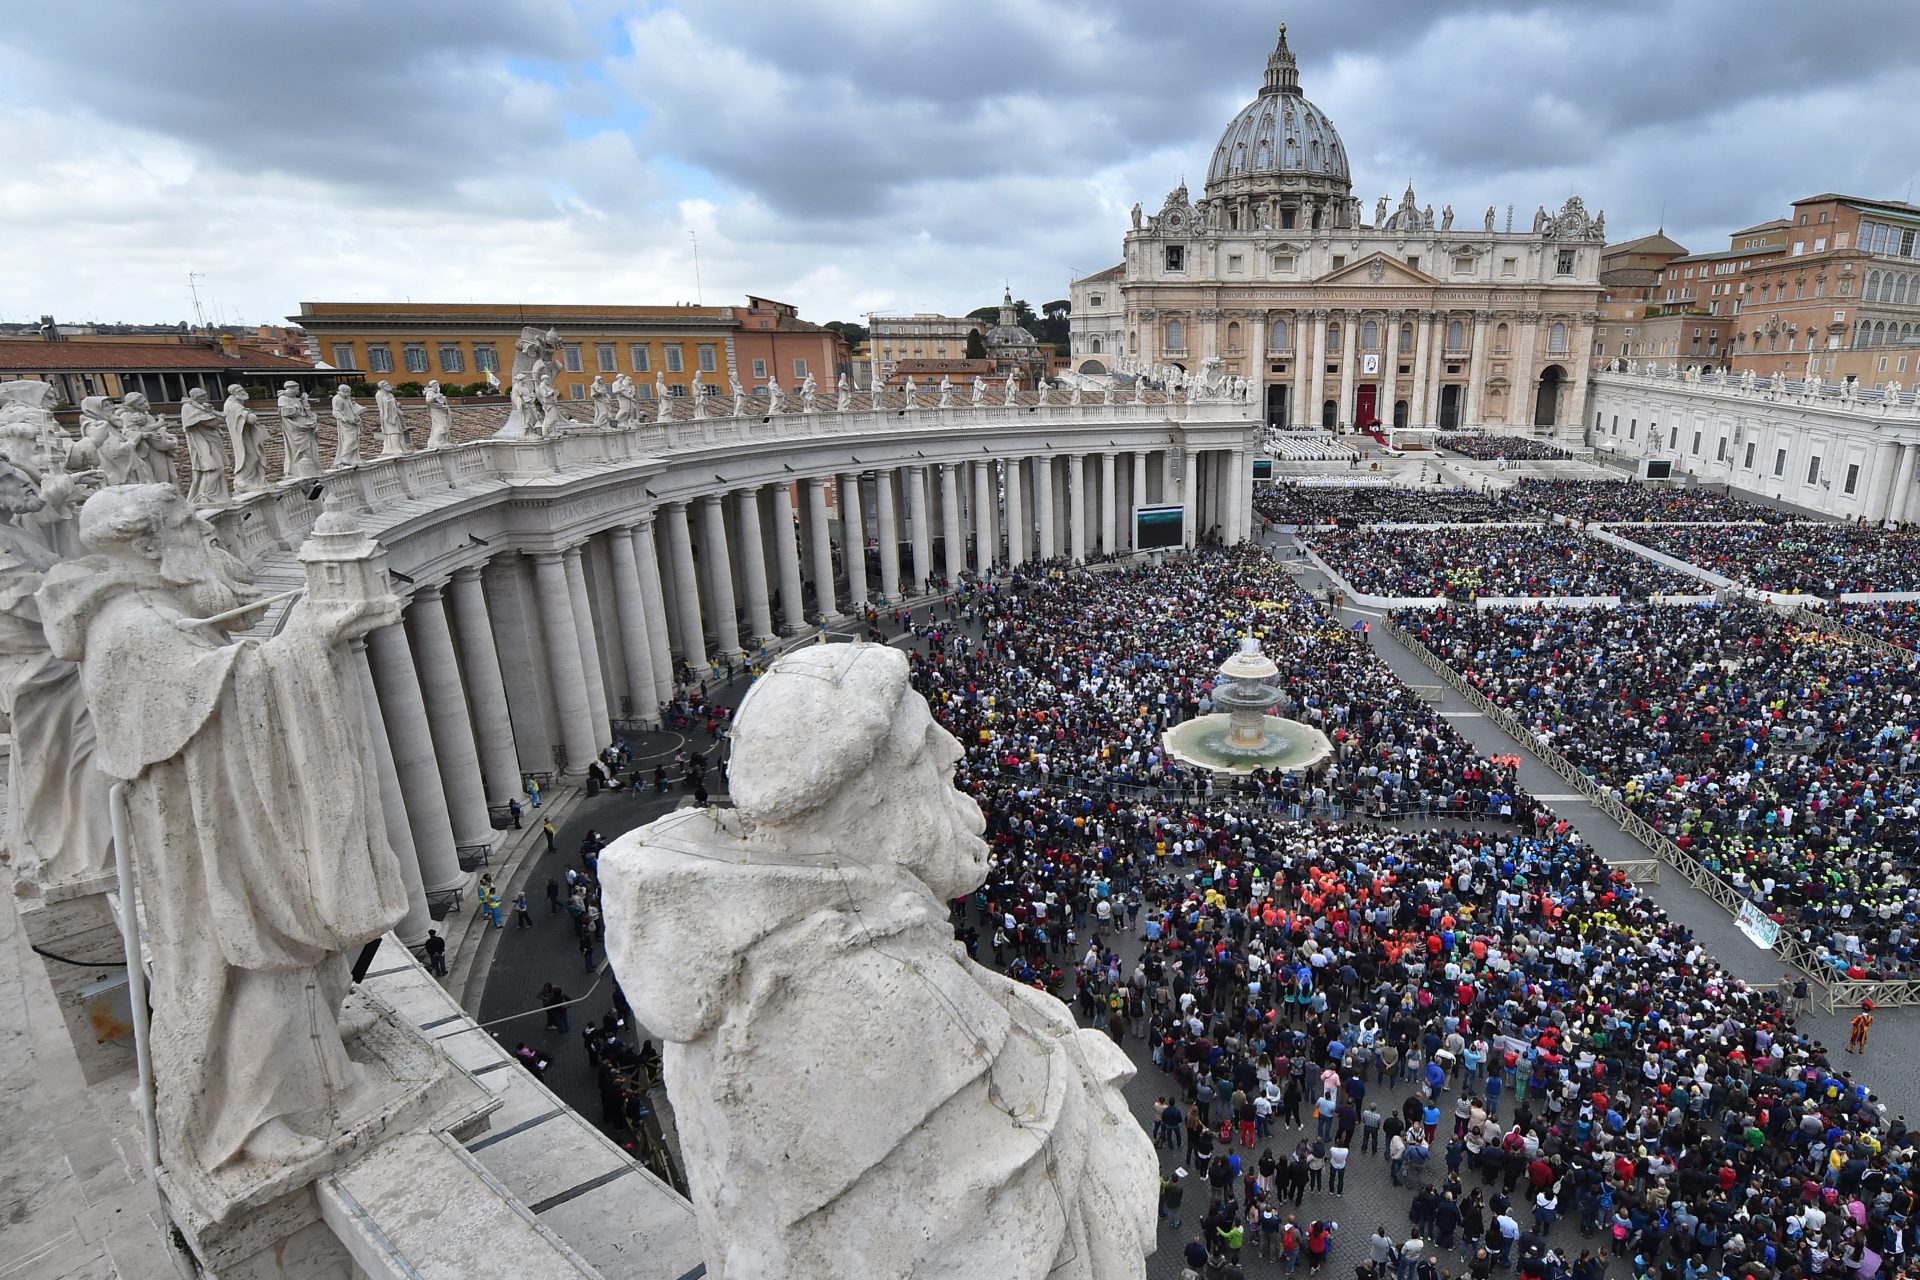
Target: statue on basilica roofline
{"type": "Point", "coordinates": [843, 394]}
{"type": "Point", "coordinates": [440, 412]}
{"type": "Point", "coordinates": [739, 396]}
{"type": "Point", "coordinates": [347, 419]}
{"type": "Point", "coordinates": [626, 404]}
{"type": "Point", "coordinates": [808, 390]}
{"type": "Point", "coordinates": [203, 426]}
{"type": "Point", "coordinates": [1446, 218]}
{"type": "Point", "coordinates": [1490, 217]}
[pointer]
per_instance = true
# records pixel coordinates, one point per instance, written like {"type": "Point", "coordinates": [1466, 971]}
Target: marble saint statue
{"type": "Point", "coordinates": [256, 906]}
{"type": "Point", "coordinates": [808, 390]}
{"type": "Point", "coordinates": [739, 397]}
{"type": "Point", "coordinates": [299, 434]}
{"type": "Point", "coordinates": [57, 816]}
{"type": "Point", "coordinates": [775, 406]}
{"type": "Point", "coordinates": [979, 390]}
{"type": "Point", "coordinates": [1010, 389]}
{"type": "Point", "coordinates": [439, 416]}
{"type": "Point", "coordinates": [203, 425]}
{"type": "Point", "coordinates": [601, 401]}
{"type": "Point", "coordinates": [247, 437]}
{"type": "Point", "coordinates": [946, 392]}
{"type": "Point", "coordinates": [1490, 213]}
{"type": "Point", "coordinates": [842, 394]}
{"type": "Point", "coordinates": [854, 1096]}
{"type": "Point", "coordinates": [347, 418]}
{"type": "Point", "coordinates": [393, 425]}
{"type": "Point", "coordinates": [662, 397]}
{"type": "Point", "coordinates": [626, 405]}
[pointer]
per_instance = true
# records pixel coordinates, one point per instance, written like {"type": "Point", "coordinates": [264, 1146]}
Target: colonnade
{"type": "Point", "coordinates": [523, 663]}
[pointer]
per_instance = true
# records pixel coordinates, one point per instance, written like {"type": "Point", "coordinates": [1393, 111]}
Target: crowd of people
{"type": "Point", "coordinates": [1494, 448]}
{"type": "Point", "coordinates": [1588, 501]}
{"type": "Point", "coordinates": [1810, 559]}
{"type": "Point", "coordinates": [1476, 1003]}
{"type": "Point", "coordinates": [1781, 756]}
{"type": "Point", "coordinates": [1305, 505]}
{"type": "Point", "coordinates": [1895, 621]}
{"type": "Point", "coordinates": [1497, 561]}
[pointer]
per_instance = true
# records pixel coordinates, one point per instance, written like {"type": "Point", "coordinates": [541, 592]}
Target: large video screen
{"type": "Point", "coordinates": [1156, 527]}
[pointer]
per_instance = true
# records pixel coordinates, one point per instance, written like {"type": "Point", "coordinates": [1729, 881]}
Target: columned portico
{"type": "Point", "coordinates": [786, 549]}
{"type": "Point", "coordinates": [412, 930]}
{"type": "Point", "coordinates": [1043, 503]}
{"type": "Point", "coordinates": [887, 520]}
{"type": "Point", "coordinates": [753, 565]}
{"type": "Point", "coordinates": [646, 557]}
{"type": "Point", "coordinates": [820, 540]}
{"type": "Point", "coordinates": [853, 539]}
{"type": "Point", "coordinates": [1016, 514]}
{"type": "Point", "coordinates": [410, 737]}
{"type": "Point", "coordinates": [1109, 526]}
{"type": "Point", "coordinates": [713, 548]}
{"type": "Point", "coordinates": [983, 540]}
{"type": "Point", "coordinates": [599, 717]}
{"type": "Point", "coordinates": [955, 560]}
{"type": "Point", "coordinates": [922, 522]}
{"type": "Point", "coordinates": [486, 690]}
{"type": "Point", "coordinates": [635, 645]}
{"type": "Point", "coordinates": [1077, 504]}
{"type": "Point", "coordinates": [567, 677]}
{"type": "Point", "coordinates": [686, 589]}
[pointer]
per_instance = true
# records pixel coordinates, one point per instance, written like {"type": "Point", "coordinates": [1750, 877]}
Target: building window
{"type": "Point", "coordinates": [1463, 265]}
{"type": "Point", "coordinates": [1456, 336]}
{"type": "Point", "coordinates": [676, 358]}
{"type": "Point", "coordinates": [1233, 337]}
{"type": "Point", "coordinates": [1565, 265]}
{"type": "Point", "coordinates": [709, 357]}
{"type": "Point", "coordinates": [1696, 444]}
{"type": "Point", "coordinates": [485, 358]}
{"type": "Point", "coordinates": [603, 356]}
{"type": "Point", "coordinates": [1501, 338]}
{"type": "Point", "coordinates": [452, 358]}
{"type": "Point", "coordinates": [1282, 263]}
{"type": "Point", "coordinates": [760, 370]}
{"type": "Point", "coordinates": [1176, 336]}
{"type": "Point", "coordinates": [1333, 338]}
{"type": "Point", "coordinates": [1780, 462]}
{"type": "Point", "coordinates": [1339, 261]}
{"type": "Point", "coordinates": [1176, 257]}
{"type": "Point", "coordinates": [1413, 260]}
{"type": "Point", "coordinates": [379, 358]}
{"type": "Point", "coordinates": [415, 355]}
{"type": "Point", "coordinates": [1277, 336]}
{"type": "Point", "coordinates": [1094, 300]}
{"type": "Point", "coordinates": [1370, 336]}
{"type": "Point", "coordinates": [1509, 266]}
{"type": "Point", "coordinates": [1406, 339]}
{"type": "Point", "coordinates": [639, 357]}
{"type": "Point", "coordinates": [343, 355]}
{"type": "Point", "coordinates": [573, 357]}
{"type": "Point", "coordinates": [1853, 478]}
{"type": "Point", "coordinates": [1236, 263]}
{"type": "Point", "coordinates": [800, 369]}
{"type": "Point", "coordinates": [1721, 455]}
{"type": "Point", "coordinates": [1557, 338]}
{"type": "Point", "coordinates": [576, 392]}
{"type": "Point", "coordinates": [677, 389]}
{"type": "Point", "coordinates": [1747, 464]}
{"type": "Point", "coordinates": [1813, 471]}
{"type": "Point", "coordinates": [642, 391]}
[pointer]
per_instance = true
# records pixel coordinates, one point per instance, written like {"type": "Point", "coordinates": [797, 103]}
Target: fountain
{"type": "Point", "coordinates": [1242, 737]}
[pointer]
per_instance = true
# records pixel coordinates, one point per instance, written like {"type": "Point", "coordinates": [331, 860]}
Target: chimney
{"type": "Point", "coordinates": [228, 346]}
{"type": "Point", "coordinates": [49, 332]}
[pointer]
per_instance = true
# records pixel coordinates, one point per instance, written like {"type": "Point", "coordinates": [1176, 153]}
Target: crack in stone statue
{"type": "Point", "coordinates": [255, 821]}
{"type": "Point", "coordinates": [854, 1095]}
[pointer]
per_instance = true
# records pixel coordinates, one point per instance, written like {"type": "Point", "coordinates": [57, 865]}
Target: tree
{"type": "Point", "coordinates": [855, 334]}
{"type": "Point", "coordinates": [976, 345]}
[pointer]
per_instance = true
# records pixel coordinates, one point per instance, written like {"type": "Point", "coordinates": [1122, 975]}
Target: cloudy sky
{"type": "Point", "coordinates": [858, 155]}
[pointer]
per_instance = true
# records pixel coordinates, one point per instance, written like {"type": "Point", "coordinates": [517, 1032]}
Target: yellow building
{"type": "Point", "coordinates": [461, 342]}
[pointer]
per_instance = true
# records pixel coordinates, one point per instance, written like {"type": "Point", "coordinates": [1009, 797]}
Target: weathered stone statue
{"type": "Point", "coordinates": [946, 392]}
{"type": "Point", "coordinates": [601, 400]}
{"type": "Point", "coordinates": [911, 393]}
{"type": "Point", "coordinates": [299, 434]}
{"type": "Point", "coordinates": [775, 405]}
{"type": "Point", "coordinates": [699, 395]}
{"type": "Point", "coordinates": [439, 416]}
{"type": "Point", "coordinates": [1446, 218]}
{"type": "Point", "coordinates": [739, 398]}
{"type": "Point", "coordinates": [1490, 214]}
{"type": "Point", "coordinates": [1106, 394]}
{"type": "Point", "coordinates": [57, 799]}
{"type": "Point", "coordinates": [662, 398]}
{"type": "Point", "coordinates": [393, 426]}
{"type": "Point", "coordinates": [979, 390]}
{"type": "Point", "coordinates": [843, 396]}
{"type": "Point", "coordinates": [1540, 219]}
{"type": "Point", "coordinates": [202, 424]}
{"type": "Point", "coordinates": [347, 418]}
{"type": "Point", "coordinates": [855, 1097]}
{"type": "Point", "coordinates": [1011, 385]}
{"type": "Point", "coordinates": [248, 439]}
{"type": "Point", "coordinates": [547, 393]}
{"type": "Point", "coordinates": [626, 405]}
{"type": "Point", "coordinates": [147, 444]}
{"type": "Point", "coordinates": [808, 390]}
{"type": "Point", "coordinates": [1380, 213]}
{"type": "Point", "coordinates": [257, 902]}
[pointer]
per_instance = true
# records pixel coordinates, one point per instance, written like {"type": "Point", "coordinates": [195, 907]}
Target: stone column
{"type": "Point", "coordinates": [523, 662]}
{"type": "Point", "coordinates": [686, 589]}
{"type": "Point", "coordinates": [1317, 349]}
{"type": "Point", "coordinates": [922, 522]}
{"type": "Point", "coordinates": [955, 559]}
{"type": "Point", "coordinates": [888, 531]}
{"type": "Point", "coordinates": [1043, 503]}
{"type": "Point", "coordinates": [646, 558]}
{"type": "Point", "coordinates": [853, 540]}
{"type": "Point", "coordinates": [568, 677]}
{"type": "Point", "coordinates": [1422, 338]}
{"type": "Point", "coordinates": [1349, 344]}
{"type": "Point", "coordinates": [1257, 363]}
{"type": "Point", "coordinates": [753, 566]}
{"type": "Point", "coordinates": [446, 705]}
{"type": "Point", "coordinates": [1900, 505]}
{"type": "Point", "coordinates": [1077, 504]}
{"type": "Point", "coordinates": [713, 542]}
{"type": "Point", "coordinates": [820, 539]}
{"type": "Point", "coordinates": [1189, 482]}
{"type": "Point", "coordinates": [1525, 381]}
{"type": "Point", "coordinates": [410, 736]}
{"type": "Point", "coordinates": [636, 647]}
{"type": "Point", "coordinates": [793, 606]}
{"type": "Point", "coordinates": [1109, 489]}
{"type": "Point", "coordinates": [1302, 386]}
{"type": "Point", "coordinates": [412, 929]}
{"type": "Point", "coordinates": [1477, 373]}
{"type": "Point", "coordinates": [983, 503]}
{"type": "Point", "coordinates": [1016, 516]}
{"type": "Point", "coordinates": [1240, 493]}
{"type": "Point", "coordinates": [486, 691]}
{"type": "Point", "coordinates": [589, 640]}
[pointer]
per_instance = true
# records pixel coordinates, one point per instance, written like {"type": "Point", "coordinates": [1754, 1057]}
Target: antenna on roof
{"type": "Point", "coordinates": [698, 293]}
{"type": "Point", "coordinates": [193, 287]}
{"type": "Point", "coordinates": [1663, 218]}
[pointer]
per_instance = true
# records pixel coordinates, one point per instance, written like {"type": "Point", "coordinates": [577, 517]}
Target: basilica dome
{"type": "Point", "coordinates": [1280, 136]}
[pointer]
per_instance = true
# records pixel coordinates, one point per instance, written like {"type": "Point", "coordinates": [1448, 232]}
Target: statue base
{"type": "Point", "coordinates": [239, 1220]}
{"type": "Point", "coordinates": [78, 921]}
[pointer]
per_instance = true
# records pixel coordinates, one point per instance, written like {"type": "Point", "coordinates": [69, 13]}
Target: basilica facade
{"type": "Point", "coordinates": [1340, 321]}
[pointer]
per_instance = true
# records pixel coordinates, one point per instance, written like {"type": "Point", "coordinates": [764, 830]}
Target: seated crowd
{"type": "Point", "coordinates": [1301, 504]}
{"type": "Point", "coordinates": [1491, 448]}
{"type": "Point", "coordinates": [1482, 1005]}
{"type": "Point", "coordinates": [1811, 559]}
{"type": "Point", "coordinates": [1586, 501]}
{"type": "Point", "coordinates": [1782, 757]}
{"type": "Point", "coordinates": [1895, 621]}
{"type": "Point", "coordinates": [1468, 563]}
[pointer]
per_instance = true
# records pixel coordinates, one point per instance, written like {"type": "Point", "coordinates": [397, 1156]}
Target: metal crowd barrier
{"type": "Point", "coordinates": [1838, 992]}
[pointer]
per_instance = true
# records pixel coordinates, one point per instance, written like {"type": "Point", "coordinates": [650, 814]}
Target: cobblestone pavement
{"type": "Point", "coordinates": [547, 953]}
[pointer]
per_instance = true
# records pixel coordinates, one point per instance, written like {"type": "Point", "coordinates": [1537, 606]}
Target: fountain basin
{"type": "Point", "coordinates": [1209, 742]}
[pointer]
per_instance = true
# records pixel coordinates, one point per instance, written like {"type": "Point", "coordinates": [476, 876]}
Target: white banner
{"type": "Point", "coordinates": [1754, 923]}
